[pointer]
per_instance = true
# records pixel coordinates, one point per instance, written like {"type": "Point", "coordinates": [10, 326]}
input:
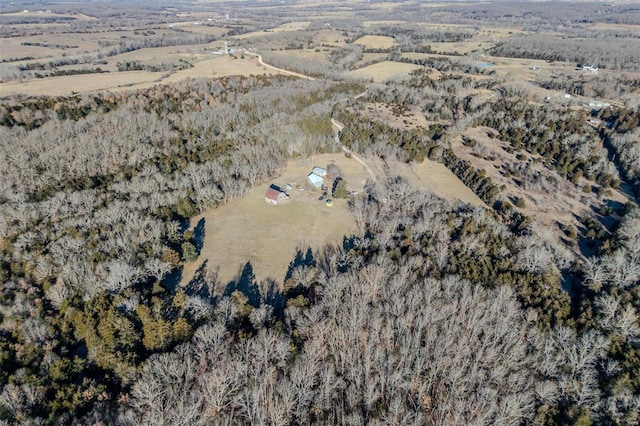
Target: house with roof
{"type": "Point", "coordinates": [275, 195]}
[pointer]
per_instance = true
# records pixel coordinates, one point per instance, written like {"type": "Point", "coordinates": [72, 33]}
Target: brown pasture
{"type": "Point", "coordinates": [434, 177]}
{"type": "Point", "coordinates": [384, 71]}
{"type": "Point", "coordinates": [271, 234]}
{"type": "Point", "coordinates": [375, 42]}
{"type": "Point", "coordinates": [212, 66]}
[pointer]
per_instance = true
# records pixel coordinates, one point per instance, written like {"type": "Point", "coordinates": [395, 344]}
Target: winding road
{"type": "Point", "coordinates": [346, 150]}
{"type": "Point", "coordinates": [263, 63]}
{"type": "Point", "coordinates": [336, 123]}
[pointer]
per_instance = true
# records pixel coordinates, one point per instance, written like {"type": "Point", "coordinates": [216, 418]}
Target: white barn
{"type": "Point", "coordinates": [315, 180]}
{"type": "Point", "coordinates": [319, 171]}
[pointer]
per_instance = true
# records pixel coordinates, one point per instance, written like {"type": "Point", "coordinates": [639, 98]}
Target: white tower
{"type": "Point", "coordinates": [226, 48]}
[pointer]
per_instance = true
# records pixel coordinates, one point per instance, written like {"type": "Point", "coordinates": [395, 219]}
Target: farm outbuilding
{"type": "Point", "coordinates": [316, 180]}
{"type": "Point", "coordinates": [319, 171]}
{"type": "Point", "coordinates": [275, 195]}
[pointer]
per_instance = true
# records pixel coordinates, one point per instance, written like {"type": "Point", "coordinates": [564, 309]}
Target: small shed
{"type": "Point", "coordinates": [275, 195]}
{"type": "Point", "coordinates": [319, 171]}
{"type": "Point", "coordinates": [316, 180]}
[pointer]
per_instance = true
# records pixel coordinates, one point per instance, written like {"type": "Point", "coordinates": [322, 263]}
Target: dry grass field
{"type": "Point", "coordinates": [201, 28]}
{"type": "Point", "coordinates": [435, 177]}
{"type": "Point", "coordinates": [272, 234]}
{"type": "Point", "coordinates": [383, 113]}
{"type": "Point", "coordinates": [375, 42]}
{"type": "Point", "coordinates": [376, 23]}
{"type": "Point", "coordinates": [368, 58]}
{"type": "Point", "coordinates": [292, 26]}
{"type": "Point", "coordinates": [67, 85]}
{"type": "Point", "coordinates": [151, 55]}
{"type": "Point", "coordinates": [329, 37]}
{"type": "Point", "coordinates": [309, 54]}
{"type": "Point", "coordinates": [251, 230]}
{"type": "Point", "coordinates": [212, 66]}
{"type": "Point", "coordinates": [463, 47]}
{"type": "Point", "coordinates": [48, 14]}
{"type": "Point", "coordinates": [384, 71]}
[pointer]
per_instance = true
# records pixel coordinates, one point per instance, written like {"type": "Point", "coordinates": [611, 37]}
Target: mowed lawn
{"type": "Point", "coordinates": [267, 236]}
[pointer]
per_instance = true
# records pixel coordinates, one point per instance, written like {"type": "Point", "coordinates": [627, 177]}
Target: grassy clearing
{"type": "Point", "coordinates": [293, 26]}
{"type": "Point", "coordinates": [250, 230]}
{"type": "Point", "coordinates": [211, 66]}
{"type": "Point", "coordinates": [463, 47]}
{"type": "Point", "coordinates": [10, 49]}
{"type": "Point", "coordinates": [385, 114]}
{"type": "Point", "coordinates": [160, 54]}
{"type": "Point", "coordinates": [43, 14]}
{"type": "Point", "coordinates": [436, 178]}
{"type": "Point", "coordinates": [375, 42]}
{"type": "Point", "coordinates": [309, 54]}
{"type": "Point", "coordinates": [384, 71]}
{"type": "Point", "coordinates": [66, 85]}
{"type": "Point", "coordinates": [201, 28]}
{"type": "Point", "coordinates": [611, 26]}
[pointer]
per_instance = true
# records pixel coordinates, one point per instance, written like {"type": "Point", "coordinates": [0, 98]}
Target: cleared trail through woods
{"type": "Point", "coordinates": [336, 123]}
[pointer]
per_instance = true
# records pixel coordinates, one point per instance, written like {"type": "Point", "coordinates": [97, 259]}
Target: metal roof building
{"type": "Point", "coordinates": [315, 180]}
{"type": "Point", "coordinates": [319, 171]}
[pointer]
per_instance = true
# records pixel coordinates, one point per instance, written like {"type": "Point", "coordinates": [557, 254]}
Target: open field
{"type": "Point", "coordinates": [159, 54]}
{"type": "Point", "coordinates": [48, 14]}
{"type": "Point", "coordinates": [612, 26]}
{"type": "Point", "coordinates": [292, 26]}
{"type": "Point", "coordinates": [197, 27]}
{"type": "Point", "coordinates": [271, 234]}
{"type": "Point", "coordinates": [435, 177]}
{"type": "Point", "coordinates": [375, 42]}
{"type": "Point", "coordinates": [216, 66]}
{"type": "Point", "coordinates": [66, 85]}
{"type": "Point", "coordinates": [384, 113]}
{"type": "Point", "coordinates": [463, 47]}
{"type": "Point", "coordinates": [384, 71]}
{"type": "Point", "coordinates": [368, 58]}
{"type": "Point", "coordinates": [308, 54]}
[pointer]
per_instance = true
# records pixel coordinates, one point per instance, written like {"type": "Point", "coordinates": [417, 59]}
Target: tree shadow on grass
{"type": "Point", "coordinates": [203, 282]}
{"type": "Point", "coordinates": [198, 235]}
{"type": "Point", "coordinates": [272, 295]}
{"type": "Point", "coordinates": [245, 282]}
{"type": "Point", "coordinates": [302, 259]}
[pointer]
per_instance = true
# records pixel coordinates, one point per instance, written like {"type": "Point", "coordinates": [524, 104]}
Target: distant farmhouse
{"type": "Point", "coordinates": [316, 177]}
{"type": "Point", "coordinates": [275, 195]}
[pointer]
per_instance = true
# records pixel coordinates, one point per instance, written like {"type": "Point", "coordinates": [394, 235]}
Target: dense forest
{"type": "Point", "coordinates": [91, 225]}
{"type": "Point", "coordinates": [430, 312]}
